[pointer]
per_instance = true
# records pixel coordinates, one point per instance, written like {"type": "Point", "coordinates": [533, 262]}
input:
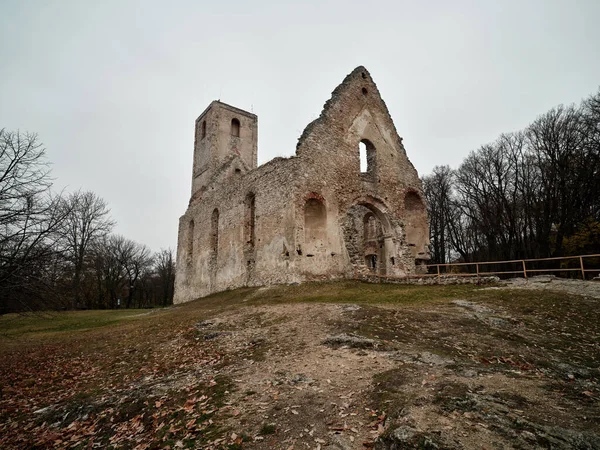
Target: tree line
{"type": "Point", "coordinates": [534, 193]}
{"type": "Point", "coordinates": [58, 251]}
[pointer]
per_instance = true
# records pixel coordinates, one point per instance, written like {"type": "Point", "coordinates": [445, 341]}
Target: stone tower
{"type": "Point", "coordinates": [224, 135]}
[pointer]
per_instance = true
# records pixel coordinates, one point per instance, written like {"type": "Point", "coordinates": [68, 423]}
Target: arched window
{"type": "Point", "coordinates": [370, 227]}
{"type": "Point", "coordinates": [416, 227]}
{"type": "Point", "coordinates": [371, 262]}
{"type": "Point", "coordinates": [372, 241]}
{"type": "Point", "coordinates": [367, 156]}
{"type": "Point", "coordinates": [203, 129]}
{"type": "Point", "coordinates": [214, 232]}
{"type": "Point", "coordinates": [413, 202]}
{"type": "Point", "coordinates": [250, 220]}
{"type": "Point", "coordinates": [235, 128]}
{"type": "Point", "coordinates": [362, 148]}
{"type": "Point", "coordinates": [190, 240]}
{"type": "Point", "coordinates": [315, 223]}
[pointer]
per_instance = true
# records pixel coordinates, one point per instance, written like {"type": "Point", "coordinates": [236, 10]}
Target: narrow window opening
{"type": "Point", "coordinates": [214, 232]}
{"type": "Point", "coordinates": [393, 260]}
{"type": "Point", "coordinates": [235, 128]}
{"type": "Point", "coordinates": [363, 157]}
{"type": "Point", "coordinates": [250, 220]}
{"type": "Point", "coordinates": [190, 240]}
{"type": "Point", "coordinates": [364, 91]}
{"type": "Point", "coordinates": [203, 129]}
{"type": "Point", "coordinates": [368, 156]}
{"type": "Point", "coordinates": [364, 75]}
{"type": "Point", "coordinates": [238, 172]}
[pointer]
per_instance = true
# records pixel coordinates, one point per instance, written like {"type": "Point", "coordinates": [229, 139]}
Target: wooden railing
{"type": "Point", "coordinates": [521, 266]}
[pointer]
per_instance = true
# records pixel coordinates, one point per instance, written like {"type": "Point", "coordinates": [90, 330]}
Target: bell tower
{"type": "Point", "coordinates": [222, 132]}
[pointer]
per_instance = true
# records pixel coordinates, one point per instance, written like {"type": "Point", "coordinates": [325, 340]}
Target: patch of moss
{"type": "Point", "coordinates": [267, 428]}
{"type": "Point", "coordinates": [454, 397]}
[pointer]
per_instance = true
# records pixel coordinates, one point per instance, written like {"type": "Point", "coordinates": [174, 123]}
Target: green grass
{"type": "Point", "coordinates": [41, 324]}
{"type": "Point", "coordinates": [361, 293]}
{"type": "Point", "coordinates": [29, 324]}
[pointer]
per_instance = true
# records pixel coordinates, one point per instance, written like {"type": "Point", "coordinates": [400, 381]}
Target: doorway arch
{"type": "Point", "coordinates": [368, 237]}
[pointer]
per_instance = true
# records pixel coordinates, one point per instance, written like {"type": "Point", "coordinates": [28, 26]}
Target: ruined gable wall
{"type": "Point", "coordinates": [329, 151]}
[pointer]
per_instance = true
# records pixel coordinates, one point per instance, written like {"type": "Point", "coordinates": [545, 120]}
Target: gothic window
{"type": "Point", "coordinates": [367, 156]}
{"type": "Point", "coordinates": [203, 129]}
{"type": "Point", "coordinates": [370, 227]}
{"type": "Point", "coordinates": [371, 261]}
{"type": "Point", "coordinates": [235, 128]}
{"type": "Point", "coordinates": [315, 222]}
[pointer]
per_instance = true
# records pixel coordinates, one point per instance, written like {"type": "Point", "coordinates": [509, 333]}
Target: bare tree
{"type": "Point", "coordinates": [88, 220]}
{"type": "Point", "coordinates": [557, 141]}
{"type": "Point", "coordinates": [109, 276]}
{"type": "Point", "coordinates": [135, 260]}
{"type": "Point", "coordinates": [526, 194]}
{"type": "Point", "coordinates": [438, 192]}
{"type": "Point", "coordinates": [165, 270]}
{"type": "Point", "coordinates": [29, 218]}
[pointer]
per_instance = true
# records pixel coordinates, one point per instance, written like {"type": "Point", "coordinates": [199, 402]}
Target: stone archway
{"type": "Point", "coordinates": [368, 237]}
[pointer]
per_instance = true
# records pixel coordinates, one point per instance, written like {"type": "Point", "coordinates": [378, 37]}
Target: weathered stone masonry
{"type": "Point", "coordinates": [314, 215]}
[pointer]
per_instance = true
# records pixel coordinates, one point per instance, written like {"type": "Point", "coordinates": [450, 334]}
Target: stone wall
{"type": "Point", "coordinates": [311, 216]}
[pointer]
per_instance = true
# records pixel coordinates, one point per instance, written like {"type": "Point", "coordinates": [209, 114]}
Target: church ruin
{"type": "Point", "coordinates": [313, 216]}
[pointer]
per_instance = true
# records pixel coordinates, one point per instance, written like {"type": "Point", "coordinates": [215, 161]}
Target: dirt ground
{"type": "Point", "coordinates": [330, 366]}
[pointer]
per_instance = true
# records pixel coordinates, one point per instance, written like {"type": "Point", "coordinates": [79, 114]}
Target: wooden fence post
{"type": "Point", "coordinates": [582, 270]}
{"type": "Point", "coordinates": [524, 269]}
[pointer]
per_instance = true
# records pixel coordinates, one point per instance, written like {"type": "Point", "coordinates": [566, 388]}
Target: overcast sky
{"type": "Point", "coordinates": [113, 87]}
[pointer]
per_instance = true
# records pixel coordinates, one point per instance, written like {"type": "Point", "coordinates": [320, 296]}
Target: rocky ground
{"type": "Point", "coordinates": [322, 366]}
{"type": "Point", "coordinates": [554, 284]}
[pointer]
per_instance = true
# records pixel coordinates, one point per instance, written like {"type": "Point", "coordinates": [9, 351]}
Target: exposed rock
{"type": "Point", "coordinates": [350, 340]}
{"type": "Point", "coordinates": [433, 359]}
{"type": "Point", "coordinates": [472, 306]}
{"type": "Point", "coordinates": [339, 442]}
{"type": "Point", "coordinates": [204, 324]}
{"type": "Point", "coordinates": [551, 283]}
{"type": "Point", "coordinates": [301, 378]}
{"type": "Point", "coordinates": [216, 334]}
{"type": "Point", "coordinates": [406, 437]}
{"type": "Point", "coordinates": [350, 307]}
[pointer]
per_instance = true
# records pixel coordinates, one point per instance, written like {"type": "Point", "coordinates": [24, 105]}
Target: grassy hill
{"type": "Point", "coordinates": [342, 365]}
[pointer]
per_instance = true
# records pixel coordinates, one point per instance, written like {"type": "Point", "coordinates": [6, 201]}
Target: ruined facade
{"type": "Point", "coordinates": [315, 215]}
